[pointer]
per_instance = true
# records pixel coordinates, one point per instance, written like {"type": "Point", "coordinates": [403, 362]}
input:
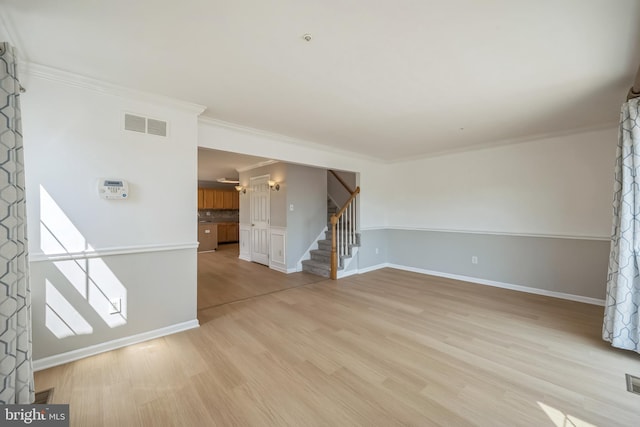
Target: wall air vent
{"type": "Point", "coordinates": [135, 123]}
{"type": "Point", "coordinates": [156, 127]}
{"type": "Point", "coordinates": [633, 384]}
{"type": "Point", "coordinates": [141, 124]}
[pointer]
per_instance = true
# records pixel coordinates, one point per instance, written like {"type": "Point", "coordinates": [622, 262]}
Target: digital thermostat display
{"type": "Point", "coordinates": [113, 189]}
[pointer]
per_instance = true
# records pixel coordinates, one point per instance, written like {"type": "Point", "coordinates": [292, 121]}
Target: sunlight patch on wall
{"type": "Point", "coordinates": [87, 273]}
{"type": "Point", "coordinates": [560, 419]}
{"type": "Point", "coordinates": [58, 234]}
{"type": "Point", "coordinates": [75, 274]}
{"type": "Point", "coordinates": [61, 317]}
{"type": "Point", "coordinates": [104, 287]}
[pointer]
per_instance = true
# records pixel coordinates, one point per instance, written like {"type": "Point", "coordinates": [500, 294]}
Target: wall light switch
{"type": "Point", "coordinates": [291, 207]}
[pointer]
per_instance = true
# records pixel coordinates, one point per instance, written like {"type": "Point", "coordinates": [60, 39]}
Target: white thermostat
{"type": "Point", "coordinates": [113, 189]}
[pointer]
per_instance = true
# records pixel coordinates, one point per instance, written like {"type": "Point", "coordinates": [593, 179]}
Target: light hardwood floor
{"type": "Point", "coordinates": [223, 278]}
{"type": "Point", "coordinates": [379, 349]}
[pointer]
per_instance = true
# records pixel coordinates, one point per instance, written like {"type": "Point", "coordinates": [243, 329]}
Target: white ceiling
{"type": "Point", "coordinates": [214, 164]}
{"type": "Point", "coordinates": [387, 79]}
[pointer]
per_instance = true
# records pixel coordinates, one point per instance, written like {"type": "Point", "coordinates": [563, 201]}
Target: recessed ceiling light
{"type": "Point", "coordinates": [307, 37]}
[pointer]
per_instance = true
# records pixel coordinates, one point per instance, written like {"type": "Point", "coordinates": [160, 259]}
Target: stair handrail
{"type": "Point", "coordinates": [341, 181]}
{"type": "Point", "coordinates": [334, 223]}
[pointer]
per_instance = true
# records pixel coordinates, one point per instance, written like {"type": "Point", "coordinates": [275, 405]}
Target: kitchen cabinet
{"type": "Point", "coordinates": [218, 202]}
{"type": "Point", "coordinates": [209, 195]}
{"type": "Point", "coordinates": [200, 198]}
{"type": "Point", "coordinates": [209, 198]}
{"type": "Point", "coordinates": [233, 232]}
{"type": "Point", "coordinates": [227, 200]}
{"type": "Point", "coordinates": [228, 232]}
{"type": "Point", "coordinates": [207, 237]}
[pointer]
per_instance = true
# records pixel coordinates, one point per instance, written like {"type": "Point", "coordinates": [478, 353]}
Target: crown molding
{"type": "Point", "coordinates": [75, 80]}
{"type": "Point", "coordinates": [507, 142]}
{"type": "Point", "coordinates": [287, 139]}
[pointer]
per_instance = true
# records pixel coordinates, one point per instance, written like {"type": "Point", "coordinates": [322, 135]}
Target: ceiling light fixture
{"type": "Point", "coordinates": [228, 181]}
{"type": "Point", "coordinates": [307, 37]}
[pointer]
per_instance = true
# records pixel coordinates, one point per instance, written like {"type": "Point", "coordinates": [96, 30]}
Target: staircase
{"type": "Point", "coordinates": [320, 262]}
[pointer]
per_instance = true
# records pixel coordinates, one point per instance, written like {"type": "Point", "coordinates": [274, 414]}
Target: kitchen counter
{"type": "Point", "coordinates": [225, 231]}
{"type": "Point", "coordinates": [207, 237]}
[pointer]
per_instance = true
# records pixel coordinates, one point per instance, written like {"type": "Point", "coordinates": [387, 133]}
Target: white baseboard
{"type": "Point", "coordinates": [244, 258]}
{"type": "Point", "coordinates": [278, 267]}
{"type": "Point", "coordinates": [519, 288]}
{"type": "Point", "coordinates": [342, 273]}
{"type": "Point", "coordinates": [374, 267]}
{"type": "Point", "coordinates": [70, 356]}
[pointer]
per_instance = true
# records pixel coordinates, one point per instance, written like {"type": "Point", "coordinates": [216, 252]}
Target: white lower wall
{"type": "Point", "coordinates": [278, 248]}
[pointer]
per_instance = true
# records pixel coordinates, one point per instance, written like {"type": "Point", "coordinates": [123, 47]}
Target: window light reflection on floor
{"type": "Point", "coordinates": [560, 419]}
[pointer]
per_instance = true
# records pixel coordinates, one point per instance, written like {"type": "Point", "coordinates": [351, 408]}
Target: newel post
{"type": "Point", "coordinates": [334, 252]}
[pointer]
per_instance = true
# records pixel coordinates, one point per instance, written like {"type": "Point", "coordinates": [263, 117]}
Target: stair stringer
{"type": "Point", "coordinates": [314, 245]}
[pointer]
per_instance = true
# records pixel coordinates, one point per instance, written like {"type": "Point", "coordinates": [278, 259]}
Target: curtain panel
{"type": "Point", "coordinates": [15, 297]}
{"type": "Point", "coordinates": [622, 319]}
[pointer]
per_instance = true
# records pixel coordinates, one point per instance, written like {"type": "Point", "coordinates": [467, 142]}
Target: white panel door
{"type": "Point", "coordinates": [260, 211]}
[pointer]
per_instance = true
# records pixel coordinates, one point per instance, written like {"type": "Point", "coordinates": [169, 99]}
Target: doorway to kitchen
{"type": "Point", "coordinates": [225, 274]}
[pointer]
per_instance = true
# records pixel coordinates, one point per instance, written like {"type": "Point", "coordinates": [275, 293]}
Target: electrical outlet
{"type": "Point", "coordinates": [377, 251]}
{"type": "Point", "coordinates": [474, 259]}
{"type": "Point", "coordinates": [291, 207]}
{"type": "Point", "coordinates": [115, 306]}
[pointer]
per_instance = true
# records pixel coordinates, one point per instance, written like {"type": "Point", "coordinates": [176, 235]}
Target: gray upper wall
{"type": "Point", "coordinates": [278, 199]}
{"type": "Point", "coordinates": [307, 192]}
{"type": "Point", "coordinates": [305, 188]}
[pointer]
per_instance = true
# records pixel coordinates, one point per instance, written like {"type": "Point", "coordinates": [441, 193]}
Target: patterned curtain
{"type": "Point", "coordinates": [622, 319]}
{"type": "Point", "coordinates": [15, 295]}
